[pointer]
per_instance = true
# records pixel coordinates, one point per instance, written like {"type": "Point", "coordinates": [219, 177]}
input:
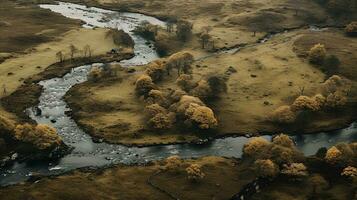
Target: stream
{"type": "Point", "coordinates": [86, 153]}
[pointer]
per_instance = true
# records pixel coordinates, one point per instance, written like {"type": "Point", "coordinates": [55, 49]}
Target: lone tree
{"type": "Point", "coordinates": [87, 51]}
{"type": "Point", "coordinates": [194, 172]}
{"type": "Point", "coordinates": [60, 56]}
{"type": "Point", "coordinates": [73, 50]}
{"type": "Point", "coordinates": [184, 30]}
{"type": "Point", "coordinates": [317, 54]}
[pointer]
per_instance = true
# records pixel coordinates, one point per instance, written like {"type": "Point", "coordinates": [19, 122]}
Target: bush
{"type": "Point", "coordinates": [155, 109]}
{"type": "Point", "coordinates": [146, 30]}
{"type": "Point", "coordinates": [41, 136]}
{"type": "Point", "coordinates": [285, 155]}
{"type": "Point", "coordinates": [156, 96]}
{"type": "Point", "coordinates": [218, 85]}
{"type": "Point", "coordinates": [317, 54]}
{"type": "Point", "coordinates": [283, 140]}
{"type": "Point", "coordinates": [185, 102]}
{"type": "Point", "coordinates": [184, 81]}
{"type": "Point", "coordinates": [173, 163]}
{"type": "Point", "coordinates": [333, 155]}
{"type": "Point", "coordinates": [256, 148]}
{"type": "Point", "coordinates": [266, 168]}
{"type": "Point", "coordinates": [144, 85]}
{"type": "Point", "coordinates": [194, 172]}
{"type": "Point", "coordinates": [295, 170]}
{"type": "Point", "coordinates": [202, 90]}
{"type": "Point", "coordinates": [331, 64]}
{"type": "Point", "coordinates": [95, 74]}
{"type": "Point", "coordinates": [161, 121]}
{"type": "Point", "coordinates": [305, 103]}
{"type": "Point", "coordinates": [349, 172]}
{"type": "Point", "coordinates": [156, 70]}
{"type": "Point", "coordinates": [176, 95]}
{"type": "Point", "coordinates": [202, 116]}
{"type": "Point", "coordinates": [283, 114]}
{"type": "Point", "coordinates": [351, 29]}
{"type": "Point", "coordinates": [336, 99]}
{"type": "Point", "coordinates": [333, 84]}
{"type": "Point", "coordinates": [318, 183]}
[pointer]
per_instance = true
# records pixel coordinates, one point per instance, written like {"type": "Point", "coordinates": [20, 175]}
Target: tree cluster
{"type": "Point", "coordinates": [277, 157]}
{"type": "Point", "coordinates": [40, 136]}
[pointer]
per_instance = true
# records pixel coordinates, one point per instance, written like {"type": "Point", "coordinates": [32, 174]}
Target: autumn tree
{"type": "Point", "coordinates": [305, 103]}
{"type": "Point", "coordinates": [256, 148]}
{"type": "Point", "coordinates": [184, 30]}
{"type": "Point", "coordinates": [202, 116]}
{"type": "Point", "coordinates": [296, 171]}
{"type": "Point", "coordinates": [283, 114]}
{"type": "Point", "coordinates": [95, 74]}
{"type": "Point", "coordinates": [202, 90]}
{"type": "Point", "coordinates": [194, 172]}
{"type": "Point", "coordinates": [144, 84]}
{"type": "Point", "coordinates": [317, 54]}
{"type": "Point", "coordinates": [173, 163]}
{"type": "Point", "coordinates": [185, 82]}
{"type": "Point", "coordinates": [156, 70]}
{"type": "Point", "coordinates": [181, 61]}
{"type": "Point", "coordinates": [41, 136]}
{"type": "Point", "coordinates": [156, 97]}
{"type": "Point", "coordinates": [266, 168]}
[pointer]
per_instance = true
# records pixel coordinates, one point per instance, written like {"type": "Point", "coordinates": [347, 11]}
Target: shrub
{"type": "Point", "coordinates": [202, 116]}
{"type": "Point", "coordinates": [331, 64]}
{"type": "Point", "coordinates": [317, 54]}
{"type": "Point", "coordinates": [144, 85]}
{"type": "Point", "coordinates": [185, 102]}
{"type": "Point", "coordinates": [351, 29]}
{"type": "Point", "coordinates": [257, 147]}
{"type": "Point", "coordinates": [333, 155]}
{"type": "Point", "coordinates": [95, 74]}
{"type": "Point", "coordinates": [184, 81]}
{"type": "Point", "coordinates": [6, 124]}
{"type": "Point", "coordinates": [155, 109]}
{"type": "Point", "coordinates": [305, 103]}
{"type": "Point", "coordinates": [202, 90]}
{"type": "Point", "coordinates": [284, 155]}
{"type": "Point", "coordinates": [266, 168]}
{"type": "Point", "coordinates": [41, 136]}
{"type": "Point", "coordinates": [156, 70]}
{"type": "Point", "coordinates": [318, 183]}
{"type": "Point", "coordinates": [176, 95]}
{"type": "Point", "coordinates": [333, 84]}
{"type": "Point", "coordinates": [218, 85]}
{"type": "Point", "coordinates": [283, 114]}
{"type": "Point", "coordinates": [320, 100]}
{"type": "Point", "coordinates": [295, 170]}
{"type": "Point", "coordinates": [349, 172]}
{"type": "Point", "coordinates": [161, 121]}
{"type": "Point", "coordinates": [283, 140]}
{"type": "Point", "coordinates": [173, 163]}
{"type": "Point", "coordinates": [194, 172]}
{"type": "Point", "coordinates": [336, 99]}
{"type": "Point", "coordinates": [146, 30]}
{"type": "Point", "coordinates": [156, 96]}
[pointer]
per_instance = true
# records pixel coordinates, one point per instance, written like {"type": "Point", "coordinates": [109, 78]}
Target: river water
{"type": "Point", "coordinates": [86, 153]}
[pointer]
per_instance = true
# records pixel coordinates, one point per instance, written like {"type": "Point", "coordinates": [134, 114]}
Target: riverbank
{"type": "Point", "coordinates": [243, 110]}
{"type": "Point", "coordinates": [224, 177]}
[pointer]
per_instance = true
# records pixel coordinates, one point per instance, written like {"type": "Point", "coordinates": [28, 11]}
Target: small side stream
{"type": "Point", "coordinates": [87, 153]}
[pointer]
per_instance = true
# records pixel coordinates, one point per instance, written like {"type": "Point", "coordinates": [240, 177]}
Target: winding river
{"type": "Point", "coordinates": [86, 153]}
